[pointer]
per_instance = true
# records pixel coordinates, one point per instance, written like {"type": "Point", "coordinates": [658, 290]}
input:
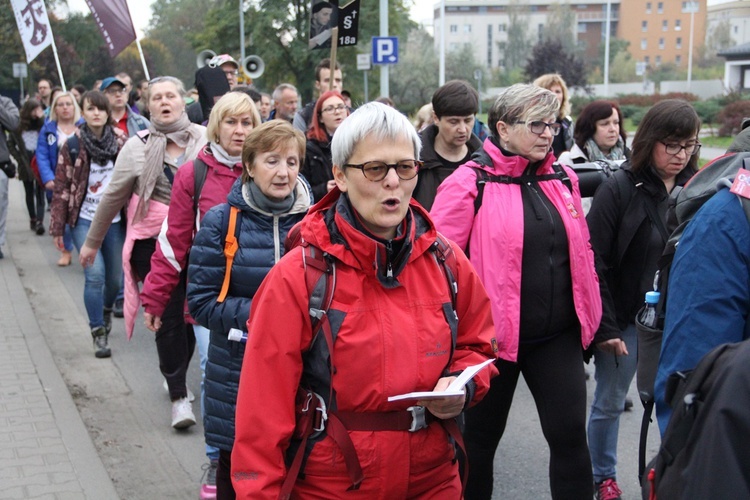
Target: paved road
{"type": "Point", "coordinates": [127, 413]}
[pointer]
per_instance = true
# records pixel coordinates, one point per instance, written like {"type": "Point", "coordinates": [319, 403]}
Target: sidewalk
{"type": "Point", "coordinates": [45, 449]}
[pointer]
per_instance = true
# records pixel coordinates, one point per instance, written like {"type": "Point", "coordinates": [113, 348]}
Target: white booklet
{"type": "Point", "coordinates": [456, 388]}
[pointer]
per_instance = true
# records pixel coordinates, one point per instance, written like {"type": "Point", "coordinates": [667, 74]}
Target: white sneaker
{"type": "Point", "coordinates": [191, 396]}
{"type": "Point", "coordinates": [182, 414]}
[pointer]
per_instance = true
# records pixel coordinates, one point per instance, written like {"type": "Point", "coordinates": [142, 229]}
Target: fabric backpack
{"type": "Point", "coordinates": [697, 396]}
{"type": "Point", "coordinates": [316, 406]}
{"type": "Point", "coordinates": [684, 204]}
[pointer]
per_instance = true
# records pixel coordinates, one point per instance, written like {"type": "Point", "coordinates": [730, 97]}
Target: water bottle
{"type": "Point", "coordinates": [648, 316]}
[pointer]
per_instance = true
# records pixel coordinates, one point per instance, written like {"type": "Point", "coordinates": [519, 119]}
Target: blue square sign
{"type": "Point", "coordinates": [384, 50]}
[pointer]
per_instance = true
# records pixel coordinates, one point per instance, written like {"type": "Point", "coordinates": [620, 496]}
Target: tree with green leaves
{"type": "Point", "coordinates": [561, 26]}
{"type": "Point", "coordinates": [516, 49]}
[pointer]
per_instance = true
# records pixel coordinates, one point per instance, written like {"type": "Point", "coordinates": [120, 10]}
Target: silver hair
{"type": "Point", "coordinates": [522, 102]}
{"type": "Point", "coordinates": [383, 122]}
{"type": "Point", "coordinates": [281, 88]}
{"type": "Point", "coordinates": [171, 79]}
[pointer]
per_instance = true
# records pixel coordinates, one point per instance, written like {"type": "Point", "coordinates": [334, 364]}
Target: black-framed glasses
{"type": "Point", "coordinates": [332, 109]}
{"type": "Point", "coordinates": [537, 127]}
{"type": "Point", "coordinates": [377, 170]}
{"type": "Point", "coordinates": [674, 148]}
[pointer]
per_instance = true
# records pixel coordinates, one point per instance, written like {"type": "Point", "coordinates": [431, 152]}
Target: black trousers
{"type": "Point", "coordinates": [224, 488]}
{"type": "Point", "coordinates": [175, 340]}
{"type": "Point", "coordinates": [34, 199]}
{"type": "Point", "coordinates": [553, 370]}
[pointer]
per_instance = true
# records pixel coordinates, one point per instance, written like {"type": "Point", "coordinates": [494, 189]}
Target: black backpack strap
{"type": "Point", "coordinates": [74, 147]}
{"type": "Point", "coordinates": [482, 178]}
{"type": "Point", "coordinates": [200, 170]}
{"type": "Point", "coordinates": [560, 174]}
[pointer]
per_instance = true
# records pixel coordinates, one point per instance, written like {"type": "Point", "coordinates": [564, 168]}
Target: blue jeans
{"type": "Point", "coordinates": [202, 336]}
{"type": "Point", "coordinates": [104, 275]}
{"type": "Point", "coordinates": [613, 377]}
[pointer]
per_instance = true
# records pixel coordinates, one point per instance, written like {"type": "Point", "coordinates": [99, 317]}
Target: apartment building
{"type": "Point", "coordinates": [733, 15]}
{"type": "Point", "coordinates": [484, 24]}
{"type": "Point", "coordinates": [659, 31]}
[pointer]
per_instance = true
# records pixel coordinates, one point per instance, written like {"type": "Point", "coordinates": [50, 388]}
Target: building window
{"type": "Point", "coordinates": [648, 7]}
{"type": "Point", "coordinates": [454, 28]}
{"type": "Point", "coordinates": [660, 7]}
{"type": "Point", "coordinates": [664, 25]}
{"type": "Point", "coordinates": [661, 44]}
{"type": "Point", "coordinates": [502, 27]}
{"type": "Point", "coordinates": [647, 59]}
{"type": "Point", "coordinates": [453, 46]}
{"type": "Point", "coordinates": [657, 60]}
{"type": "Point", "coordinates": [677, 25]}
{"type": "Point", "coordinates": [678, 60]}
{"type": "Point", "coordinates": [581, 27]}
{"type": "Point", "coordinates": [644, 26]}
{"type": "Point", "coordinates": [467, 28]}
{"type": "Point", "coordinates": [644, 44]}
{"type": "Point", "coordinates": [678, 43]}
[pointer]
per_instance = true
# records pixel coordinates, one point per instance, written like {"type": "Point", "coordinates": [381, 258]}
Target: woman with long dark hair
{"type": "Point", "coordinates": [79, 185]}
{"type": "Point", "coordinates": [627, 221]}
{"type": "Point", "coordinates": [23, 143]}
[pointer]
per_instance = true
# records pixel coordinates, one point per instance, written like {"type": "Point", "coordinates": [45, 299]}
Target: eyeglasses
{"type": "Point", "coordinates": [537, 127]}
{"type": "Point", "coordinates": [377, 170]}
{"type": "Point", "coordinates": [334, 109]}
{"type": "Point", "coordinates": [232, 72]}
{"type": "Point", "coordinates": [112, 91]}
{"type": "Point", "coordinates": [674, 148]}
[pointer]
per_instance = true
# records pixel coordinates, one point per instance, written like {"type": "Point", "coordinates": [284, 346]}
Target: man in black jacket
{"type": "Point", "coordinates": [449, 142]}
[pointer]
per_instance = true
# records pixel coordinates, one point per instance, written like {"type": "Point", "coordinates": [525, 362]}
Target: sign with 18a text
{"type": "Point", "coordinates": [384, 50]}
{"type": "Point", "coordinates": [348, 24]}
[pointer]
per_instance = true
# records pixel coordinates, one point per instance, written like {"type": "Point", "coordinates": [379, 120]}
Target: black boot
{"type": "Point", "coordinates": [108, 319]}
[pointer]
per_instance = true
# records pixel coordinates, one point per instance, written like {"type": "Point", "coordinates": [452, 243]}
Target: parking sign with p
{"type": "Point", "coordinates": [384, 50]}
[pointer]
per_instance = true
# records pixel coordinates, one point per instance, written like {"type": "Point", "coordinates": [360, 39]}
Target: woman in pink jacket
{"type": "Point", "coordinates": [529, 242]}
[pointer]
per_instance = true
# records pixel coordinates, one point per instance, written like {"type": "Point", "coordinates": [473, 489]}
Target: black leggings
{"type": "Point", "coordinates": [224, 488]}
{"type": "Point", "coordinates": [553, 370]}
{"type": "Point", "coordinates": [175, 340]}
{"type": "Point", "coordinates": [34, 199]}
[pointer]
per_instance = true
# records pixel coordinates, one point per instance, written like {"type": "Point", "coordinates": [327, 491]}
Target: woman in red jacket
{"type": "Point", "coordinates": [394, 333]}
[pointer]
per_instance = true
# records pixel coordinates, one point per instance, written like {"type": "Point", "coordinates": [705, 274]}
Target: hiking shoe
{"type": "Point", "coordinates": [628, 404]}
{"type": "Point", "coordinates": [608, 490]}
{"type": "Point", "coordinates": [32, 224]}
{"type": "Point", "coordinates": [190, 395]}
{"type": "Point", "coordinates": [39, 228]}
{"type": "Point", "coordinates": [117, 310]}
{"type": "Point", "coordinates": [182, 414]}
{"type": "Point", "coordinates": [208, 488]}
{"type": "Point", "coordinates": [108, 319]}
{"type": "Point", "coordinates": [101, 344]}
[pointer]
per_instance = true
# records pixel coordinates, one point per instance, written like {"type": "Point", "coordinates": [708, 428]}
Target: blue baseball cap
{"type": "Point", "coordinates": [107, 82]}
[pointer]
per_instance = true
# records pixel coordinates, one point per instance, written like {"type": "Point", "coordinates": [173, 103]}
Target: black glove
{"type": "Point", "coordinates": [9, 169]}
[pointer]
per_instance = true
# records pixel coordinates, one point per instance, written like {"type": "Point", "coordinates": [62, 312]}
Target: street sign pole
{"type": "Point", "coordinates": [363, 64]}
{"type": "Point", "coordinates": [20, 71]}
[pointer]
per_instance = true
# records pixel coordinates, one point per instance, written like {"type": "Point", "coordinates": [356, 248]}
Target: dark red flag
{"type": "Point", "coordinates": [113, 19]}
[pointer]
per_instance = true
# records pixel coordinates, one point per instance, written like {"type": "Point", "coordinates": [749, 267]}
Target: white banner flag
{"type": "Point", "coordinates": [33, 25]}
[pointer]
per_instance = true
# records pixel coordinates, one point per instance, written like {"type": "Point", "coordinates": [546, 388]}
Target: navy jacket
{"type": "Point", "coordinates": [261, 245]}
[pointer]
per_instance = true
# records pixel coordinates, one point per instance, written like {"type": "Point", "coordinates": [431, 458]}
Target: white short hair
{"type": "Point", "coordinates": [373, 118]}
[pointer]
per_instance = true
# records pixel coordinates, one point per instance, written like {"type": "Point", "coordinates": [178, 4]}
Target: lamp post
{"type": "Point", "coordinates": [693, 7]}
{"type": "Point", "coordinates": [606, 50]}
{"type": "Point", "coordinates": [441, 73]}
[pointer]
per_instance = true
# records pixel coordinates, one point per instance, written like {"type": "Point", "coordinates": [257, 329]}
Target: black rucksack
{"type": "Point", "coordinates": [705, 450]}
{"type": "Point", "coordinates": [684, 204]}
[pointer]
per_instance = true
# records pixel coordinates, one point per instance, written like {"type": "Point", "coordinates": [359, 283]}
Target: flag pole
{"type": "Point", "coordinates": [59, 69]}
{"type": "Point", "coordinates": [143, 59]}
